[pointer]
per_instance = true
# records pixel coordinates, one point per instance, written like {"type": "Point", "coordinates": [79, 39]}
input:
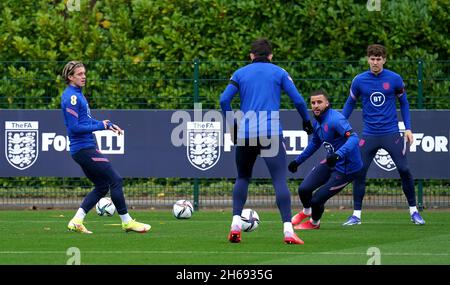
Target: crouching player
{"type": "Point", "coordinates": [332, 174]}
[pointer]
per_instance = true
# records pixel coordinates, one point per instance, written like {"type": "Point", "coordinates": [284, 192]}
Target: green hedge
{"type": "Point", "coordinates": [181, 30]}
{"type": "Point", "coordinates": [140, 53]}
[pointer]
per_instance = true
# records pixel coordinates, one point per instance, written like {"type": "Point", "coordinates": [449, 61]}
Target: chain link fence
{"type": "Point", "coordinates": [178, 85]}
{"type": "Point", "coordinates": [49, 193]}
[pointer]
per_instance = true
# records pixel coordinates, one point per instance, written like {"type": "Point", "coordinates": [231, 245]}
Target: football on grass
{"type": "Point", "coordinates": [182, 209]}
{"type": "Point", "coordinates": [250, 220]}
{"type": "Point", "coordinates": [105, 207]}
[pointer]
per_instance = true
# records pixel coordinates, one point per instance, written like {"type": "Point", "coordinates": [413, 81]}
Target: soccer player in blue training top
{"type": "Point", "coordinates": [259, 131]}
{"type": "Point", "coordinates": [83, 149]}
{"type": "Point", "coordinates": [332, 174]}
{"type": "Point", "coordinates": [379, 88]}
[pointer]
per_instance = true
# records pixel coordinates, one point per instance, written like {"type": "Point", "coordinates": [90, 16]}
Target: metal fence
{"type": "Point", "coordinates": [178, 85]}
{"type": "Point", "coordinates": [49, 193]}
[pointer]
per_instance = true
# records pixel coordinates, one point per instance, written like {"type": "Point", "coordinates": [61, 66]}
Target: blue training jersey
{"type": "Point", "coordinates": [333, 131]}
{"type": "Point", "coordinates": [78, 120]}
{"type": "Point", "coordinates": [259, 85]}
{"type": "Point", "coordinates": [378, 95]}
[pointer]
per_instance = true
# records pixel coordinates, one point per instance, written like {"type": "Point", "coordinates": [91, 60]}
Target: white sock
{"type": "Point", "coordinates": [287, 227]}
{"type": "Point", "coordinates": [307, 211]}
{"type": "Point", "coordinates": [412, 210]}
{"type": "Point", "coordinates": [80, 214]}
{"type": "Point", "coordinates": [125, 218]}
{"type": "Point", "coordinates": [314, 222]}
{"type": "Point", "coordinates": [357, 213]}
{"type": "Point", "coordinates": [237, 222]}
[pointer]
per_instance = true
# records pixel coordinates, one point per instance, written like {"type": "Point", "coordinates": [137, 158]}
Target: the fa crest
{"type": "Point", "coordinates": [21, 143]}
{"type": "Point", "coordinates": [384, 160]}
{"type": "Point", "coordinates": [203, 144]}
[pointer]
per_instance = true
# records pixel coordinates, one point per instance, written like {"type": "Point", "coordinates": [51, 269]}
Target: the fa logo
{"type": "Point", "coordinates": [203, 144]}
{"type": "Point", "coordinates": [21, 143]}
{"type": "Point", "coordinates": [383, 159]}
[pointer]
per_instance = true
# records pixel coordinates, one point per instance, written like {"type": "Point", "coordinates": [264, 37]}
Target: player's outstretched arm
{"type": "Point", "coordinates": [225, 104]}
{"type": "Point", "coordinates": [312, 147]}
{"type": "Point", "coordinates": [299, 103]}
{"type": "Point", "coordinates": [74, 125]}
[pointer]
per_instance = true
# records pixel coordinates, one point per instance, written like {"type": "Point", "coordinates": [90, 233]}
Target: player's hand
{"type": "Point", "coordinates": [115, 128]}
{"type": "Point", "coordinates": [332, 159]}
{"type": "Point", "coordinates": [409, 136]}
{"type": "Point", "coordinates": [105, 124]}
{"type": "Point", "coordinates": [293, 166]}
{"type": "Point", "coordinates": [307, 127]}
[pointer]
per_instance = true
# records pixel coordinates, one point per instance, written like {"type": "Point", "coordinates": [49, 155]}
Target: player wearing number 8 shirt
{"type": "Point", "coordinates": [83, 149]}
{"type": "Point", "coordinates": [379, 89]}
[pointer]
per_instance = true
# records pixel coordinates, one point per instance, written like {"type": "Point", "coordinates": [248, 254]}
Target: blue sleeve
{"type": "Point", "coordinates": [227, 96]}
{"type": "Point", "coordinates": [351, 100]}
{"type": "Point", "coordinates": [404, 105]}
{"type": "Point", "coordinates": [348, 107]}
{"type": "Point", "coordinates": [73, 124]}
{"type": "Point", "coordinates": [312, 147]}
{"type": "Point", "coordinates": [289, 87]}
{"type": "Point", "coordinates": [404, 108]}
{"type": "Point", "coordinates": [351, 143]}
{"type": "Point", "coordinates": [225, 103]}
{"type": "Point", "coordinates": [345, 130]}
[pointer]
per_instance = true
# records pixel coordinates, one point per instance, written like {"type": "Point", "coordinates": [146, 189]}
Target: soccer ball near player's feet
{"type": "Point", "coordinates": [183, 209]}
{"type": "Point", "coordinates": [250, 220]}
{"type": "Point", "coordinates": [105, 207]}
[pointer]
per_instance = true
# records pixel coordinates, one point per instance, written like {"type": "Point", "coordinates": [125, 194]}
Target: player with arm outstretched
{"type": "Point", "coordinates": [83, 149]}
{"type": "Point", "coordinates": [332, 174]}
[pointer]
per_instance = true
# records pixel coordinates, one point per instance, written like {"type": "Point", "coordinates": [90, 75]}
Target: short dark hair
{"type": "Point", "coordinates": [320, 92]}
{"type": "Point", "coordinates": [376, 50]}
{"type": "Point", "coordinates": [261, 47]}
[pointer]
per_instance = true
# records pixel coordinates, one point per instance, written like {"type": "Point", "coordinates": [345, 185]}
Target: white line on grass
{"type": "Point", "coordinates": [223, 252]}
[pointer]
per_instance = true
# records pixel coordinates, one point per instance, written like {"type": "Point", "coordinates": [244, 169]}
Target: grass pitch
{"type": "Point", "coordinates": [40, 237]}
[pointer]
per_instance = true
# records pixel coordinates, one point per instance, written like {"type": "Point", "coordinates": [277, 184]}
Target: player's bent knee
{"type": "Point", "coordinates": [315, 201]}
{"type": "Point", "coordinates": [102, 190]}
{"type": "Point", "coordinates": [117, 181]}
{"type": "Point", "coordinates": [302, 190]}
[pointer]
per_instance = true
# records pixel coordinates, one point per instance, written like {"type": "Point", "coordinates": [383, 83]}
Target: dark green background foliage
{"type": "Point", "coordinates": [182, 30]}
{"type": "Point", "coordinates": [140, 53]}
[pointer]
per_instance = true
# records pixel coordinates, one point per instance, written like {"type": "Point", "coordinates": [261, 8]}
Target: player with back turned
{"type": "Point", "coordinates": [379, 89]}
{"type": "Point", "coordinates": [83, 149]}
{"type": "Point", "coordinates": [259, 133]}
